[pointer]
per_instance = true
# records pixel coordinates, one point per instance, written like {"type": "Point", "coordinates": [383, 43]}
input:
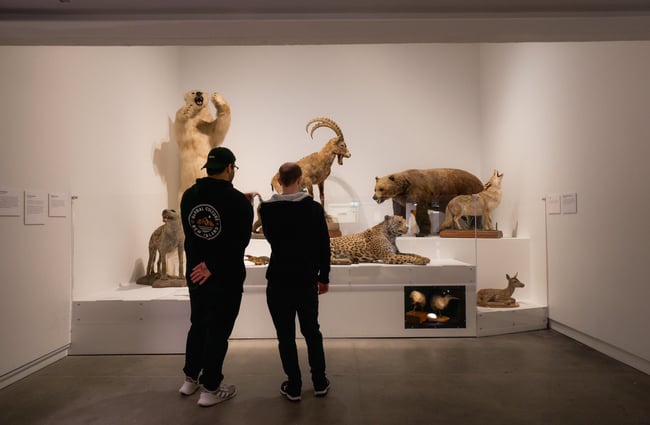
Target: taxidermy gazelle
{"type": "Point", "coordinates": [500, 297]}
{"type": "Point", "coordinates": [316, 167]}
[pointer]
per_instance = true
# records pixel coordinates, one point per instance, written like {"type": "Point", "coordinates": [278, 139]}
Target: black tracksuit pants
{"type": "Point", "coordinates": [213, 317]}
{"type": "Point", "coordinates": [284, 303]}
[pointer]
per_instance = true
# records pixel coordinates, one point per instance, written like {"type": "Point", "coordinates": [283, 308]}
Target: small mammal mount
{"type": "Point", "coordinates": [479, 204]}
{"type": "Point", "coordinates": [500, 298]}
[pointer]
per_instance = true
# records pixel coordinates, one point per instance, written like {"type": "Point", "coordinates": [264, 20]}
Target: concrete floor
{"type": "Point", "coordinates": [538, 377]}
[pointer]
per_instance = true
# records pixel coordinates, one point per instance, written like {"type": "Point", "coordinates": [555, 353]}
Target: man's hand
{"type": "Point", "coordinates": [251, 195]}
{"type": "Point", "coordinates": [323, 288]}
{"type": "Point", "coordinates": [200, 273]}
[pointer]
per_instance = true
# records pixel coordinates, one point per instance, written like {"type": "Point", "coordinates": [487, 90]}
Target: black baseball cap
{"type": "Point", "coordinates": [219, 158]}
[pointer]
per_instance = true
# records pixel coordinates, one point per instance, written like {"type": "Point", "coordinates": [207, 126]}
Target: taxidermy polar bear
{"type": "Point", "coordinates": [196, 132]}
{"type": "Point", "coordinates": [425, 187]}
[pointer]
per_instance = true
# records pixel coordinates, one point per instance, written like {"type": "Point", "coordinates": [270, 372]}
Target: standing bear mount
{"type": "Point", "coordinates": [167, 238]}
{"type": "Point", "coordinates": [479, 204]}
{"type": "Point", "coordinates": [500, 298]}
{"type": "Point", "coordinates": [425, 187]}
{"type": "Point", "coordinates": [376, 244]}
{"type": "Point", "coordinates": [196, 132]}
{"type": "Point", "coordinates": [317, 166]}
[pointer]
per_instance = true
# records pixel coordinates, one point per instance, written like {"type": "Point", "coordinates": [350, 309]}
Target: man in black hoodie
{"type": "Point", "coordinates": [294, 224]}
{"type": "Point", "coordinates": [217, 220]}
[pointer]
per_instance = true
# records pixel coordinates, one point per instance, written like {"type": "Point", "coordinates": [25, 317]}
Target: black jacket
{"type": "Point", "coordinates": [217, 222]}
{"type": "Point", "coordinates": [295, 227]}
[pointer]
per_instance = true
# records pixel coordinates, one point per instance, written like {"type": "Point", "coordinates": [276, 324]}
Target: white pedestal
{"type": "Point", "coordinates": [365, 300]}
{"type": "Point", "coordinates": [498, 321]}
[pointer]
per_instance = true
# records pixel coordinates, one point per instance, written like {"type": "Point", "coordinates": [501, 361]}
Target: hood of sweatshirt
{"type": "Point", "coordinates": [293, 197]}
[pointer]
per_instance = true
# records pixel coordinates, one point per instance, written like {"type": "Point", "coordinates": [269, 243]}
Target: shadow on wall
{"type": "Point", "coordinates": [347, 188]}
{"type": "Point", "coordinates": [165, 162]}
{"type": "Point", "coordinates": [138, 270]}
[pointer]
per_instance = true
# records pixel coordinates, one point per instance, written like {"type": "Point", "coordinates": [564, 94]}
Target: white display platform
{"type": "Point", "coordinates": [365, 300]}
{"type": "Point", "coordinates": [498, 321]}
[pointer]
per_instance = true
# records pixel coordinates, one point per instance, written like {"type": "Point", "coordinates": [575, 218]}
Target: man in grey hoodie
{"type": "Point", "coordinates": [295, 227]}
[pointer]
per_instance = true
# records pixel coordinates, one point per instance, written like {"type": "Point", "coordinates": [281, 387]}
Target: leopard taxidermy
{"type": "Point", "coordinates": [164, 240]}
{"type": "Point", "coordinates": [375, 244]}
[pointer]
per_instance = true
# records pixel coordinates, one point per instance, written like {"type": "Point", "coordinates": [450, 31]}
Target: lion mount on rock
{"type": "Point", "coordinates": [196, 132]}
{"type": "Point", "coordinates": [425, 187]}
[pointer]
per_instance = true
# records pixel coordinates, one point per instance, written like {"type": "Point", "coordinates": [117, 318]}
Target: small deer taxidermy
{"type": "Point", "coordinates": [500, 298]}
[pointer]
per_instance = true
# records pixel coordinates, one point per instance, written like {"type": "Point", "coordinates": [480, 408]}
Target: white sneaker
{"type": "Point", "coordinates": [223, 393]}
{"type": "Point", "coordinates": [189, 387]}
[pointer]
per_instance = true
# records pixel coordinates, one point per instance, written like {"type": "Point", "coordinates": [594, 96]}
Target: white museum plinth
{"type": "Point", "coordinates": [364, 300]}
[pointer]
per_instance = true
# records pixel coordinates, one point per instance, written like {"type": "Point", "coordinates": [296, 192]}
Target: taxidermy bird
{"type": "Point", "coordinates": [417, 299]}
{"type": "Point", "coordinates": [439, 302]}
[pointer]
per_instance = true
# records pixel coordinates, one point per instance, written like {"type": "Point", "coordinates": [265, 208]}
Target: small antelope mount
{"type": "Point", "coordinates": [316, 167]}
{"type": "Point", "coordinates": [500, 298]}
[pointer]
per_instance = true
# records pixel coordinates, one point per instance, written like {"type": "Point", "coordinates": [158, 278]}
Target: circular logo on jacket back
{"type": "Point", "coordinates": [205, 221]}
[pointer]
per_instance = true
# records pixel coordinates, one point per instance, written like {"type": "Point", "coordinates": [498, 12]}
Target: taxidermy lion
{"type": "Point", "coordinates": [425, 187]}
{"type": "Point", "coordinates": [196, 132]}
{"type": "Point", "coordinates": [480, 204]}
{"type": "Point", "coordinates": [165, 239]}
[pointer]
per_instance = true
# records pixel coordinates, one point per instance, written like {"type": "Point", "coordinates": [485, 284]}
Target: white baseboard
{"type": "Point", "coordinates": [614, 352]}
{"type": "Point", "coordinates": [33, 366]}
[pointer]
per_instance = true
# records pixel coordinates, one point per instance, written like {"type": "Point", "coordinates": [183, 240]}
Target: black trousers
{"type": "Point", "coordinates": [284, 304]}
{"type": "Point", "coordinates": [213, 315]}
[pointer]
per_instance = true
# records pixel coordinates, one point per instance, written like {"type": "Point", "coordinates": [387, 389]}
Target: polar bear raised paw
{"type": "Point", "coordinates": [197, 131]}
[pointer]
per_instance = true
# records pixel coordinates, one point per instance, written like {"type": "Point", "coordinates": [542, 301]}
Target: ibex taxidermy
{"type": "Point", "coordinates": [316, 167]}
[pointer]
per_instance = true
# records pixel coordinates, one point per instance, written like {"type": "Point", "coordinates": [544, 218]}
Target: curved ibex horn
{"type": "Point", "coordinates": [323, 122]}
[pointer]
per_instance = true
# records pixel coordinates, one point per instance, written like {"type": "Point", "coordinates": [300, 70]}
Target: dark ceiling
{"type": "Point", "coordinates": [237, 22]}
{"type": "Point", "coordinates": [57, 8]}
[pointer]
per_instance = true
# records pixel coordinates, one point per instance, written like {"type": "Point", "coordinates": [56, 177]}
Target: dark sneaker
{"type": "Point", "coordinates": [321, 390]}
{"type": "Point", "coordinates": [290, 391]}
